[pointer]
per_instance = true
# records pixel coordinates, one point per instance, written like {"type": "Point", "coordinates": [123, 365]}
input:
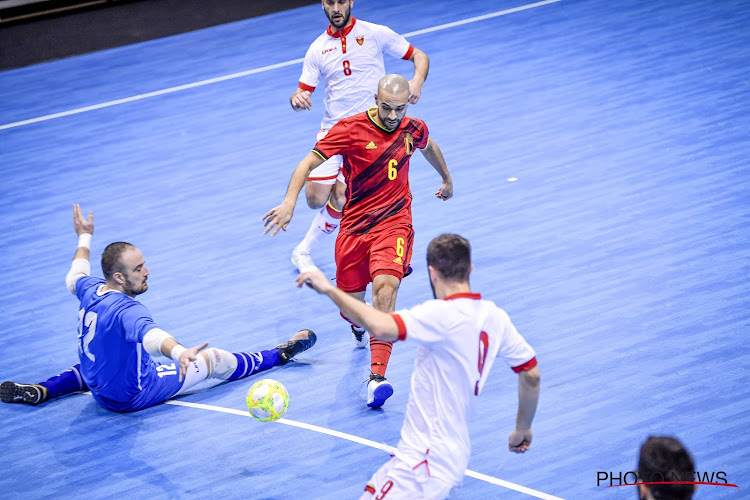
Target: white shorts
{"type": "Point", "coordinates": [395, 480]}
{"type": "Point", "coordinates": [330, 171]}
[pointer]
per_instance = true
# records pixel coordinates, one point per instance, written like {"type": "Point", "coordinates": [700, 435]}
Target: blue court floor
{"type": "Point", "coordinates": [599, 152]}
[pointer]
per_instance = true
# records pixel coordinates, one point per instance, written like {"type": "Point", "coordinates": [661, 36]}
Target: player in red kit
{"type": "Point", "coordinates": [346, 59]}
{"type": "Point", "coordinates": [376, 234]}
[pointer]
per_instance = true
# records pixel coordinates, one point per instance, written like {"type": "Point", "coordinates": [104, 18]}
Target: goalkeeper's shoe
{"type": "Point", "coordinates": [300, 342]}
{"type": "Point", "coordinates": [33, 394]}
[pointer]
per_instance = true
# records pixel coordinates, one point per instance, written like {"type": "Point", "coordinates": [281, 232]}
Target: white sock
{"type": "Point", "coordinates": [323, 225]}
{"type": "Point", "coordinates": [223, 363]}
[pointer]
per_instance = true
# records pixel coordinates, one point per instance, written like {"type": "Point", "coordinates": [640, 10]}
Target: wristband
{"type": "Point", "coordinates": [84, 240]}
{"type": "Point", "coordinates": [176, 352]}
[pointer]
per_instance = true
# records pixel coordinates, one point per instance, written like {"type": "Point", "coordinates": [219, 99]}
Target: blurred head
{"type": "Point", "coordinates": [392, 100]}
{"type": "Point", "coordinates": [124, 268]}
{"type": "Point", "coordinates": [665, 459]}
{"type": "Point", "coordinates": [450, 256]}
{"type": "Point", "coordinates": [338, 12]}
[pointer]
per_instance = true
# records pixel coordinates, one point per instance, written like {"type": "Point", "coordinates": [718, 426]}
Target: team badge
{"type": "Point", "coordinates": [409, 143]}
{"type": "Point", "coordinates": [360, 40]}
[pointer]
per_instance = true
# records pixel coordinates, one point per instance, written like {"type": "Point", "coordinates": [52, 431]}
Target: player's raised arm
{"type": "Point", "coordinates": [84, 228]}
{"type": "Point", "coordinates": [278, 218]}
{"type": "Point", "coordinates": [301, 100]}
{"type": "Point", "coordinates": [434, 156]}
{"type": "Point", "coordinates": [379, 324]}
{"type": "Point", "coordinates": [528, 397]}
{"type": "Point", "coordinates": [421, 68]}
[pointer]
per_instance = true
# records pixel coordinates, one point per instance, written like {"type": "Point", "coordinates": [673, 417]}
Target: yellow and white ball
{"type": "Point", "coordinates": [267, 400]}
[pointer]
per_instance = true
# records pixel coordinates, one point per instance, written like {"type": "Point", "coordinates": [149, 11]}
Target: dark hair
{"type": "Point", "coordinates": [450, 254]}
{"type": "Point", "coordinates": [665, 459]}
{"type": "Point", "coordinates": [111, 258]}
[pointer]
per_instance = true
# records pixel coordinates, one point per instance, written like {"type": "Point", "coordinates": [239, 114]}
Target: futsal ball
{"type": "Point", "coordinates": [267, 400]}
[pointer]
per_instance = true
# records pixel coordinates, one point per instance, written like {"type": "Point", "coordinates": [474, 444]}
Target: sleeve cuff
{"type": "Point", "coordinates": [401, 326]}
{"type": "Point", "coordinates": [304, 86]}
{"type": "Point", "coordinates": [409, 53]}
{"type": "Point", "coordinates": [320, 153]}
{"type": "Point", "coordinates": [526, 366]}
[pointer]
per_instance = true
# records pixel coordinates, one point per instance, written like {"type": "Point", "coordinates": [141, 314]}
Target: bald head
{"type": "Point", "coordinates": [392, 100]}
{"type": "Point", "coordinates": [393, 84]}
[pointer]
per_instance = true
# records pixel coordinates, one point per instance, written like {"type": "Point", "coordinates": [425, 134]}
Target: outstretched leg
{"type": "Point", "coordinates": [65, 383]}
{"type": "Point", "coordinates": [225, 365]}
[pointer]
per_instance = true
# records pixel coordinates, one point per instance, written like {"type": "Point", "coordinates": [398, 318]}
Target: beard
{"type": "Point", "coordinates": [341, 23]}
{"type": "Point", "coordinates": [132, 289]}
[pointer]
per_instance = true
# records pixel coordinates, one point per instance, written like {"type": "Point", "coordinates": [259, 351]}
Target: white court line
{"type": "Point", "coordinates": [257, 70]}
{"type": "Point", "coordinates": [366, 442]}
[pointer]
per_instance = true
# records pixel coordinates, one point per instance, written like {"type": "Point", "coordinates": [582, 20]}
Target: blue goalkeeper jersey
{"type": "Point", "coordinates": [115, 366]}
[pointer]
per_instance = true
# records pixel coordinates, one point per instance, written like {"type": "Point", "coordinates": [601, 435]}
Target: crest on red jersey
{"type": "Point", "coordinates": [360, 40]}
{"type": "Point", "coordinates": [409, 143]}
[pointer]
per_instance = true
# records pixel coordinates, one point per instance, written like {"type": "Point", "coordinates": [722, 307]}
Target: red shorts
{"type": "Point", "coordinates": [361, 257]}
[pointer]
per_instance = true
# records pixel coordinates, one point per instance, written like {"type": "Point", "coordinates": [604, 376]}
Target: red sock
{"type": "Point", "coordinates": [380, 353]}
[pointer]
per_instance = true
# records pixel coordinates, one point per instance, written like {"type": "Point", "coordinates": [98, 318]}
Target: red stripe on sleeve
{"type": "Point", "coordinates": [401, 326]}
{"type": "Point", "coordinates": [408, 53]}
{"type": "Point", "coordinates": [526, 366]}
{"type": "Point", "coordinates": [370, 489]}
{"type": "Point", "coordinates": [304, 86]}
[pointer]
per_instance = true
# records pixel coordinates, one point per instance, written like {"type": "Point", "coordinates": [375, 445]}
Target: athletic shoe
{"type": "Point", "coordinates": [301, 258]}
{"type": "Point", "coordinates": [33, 394]}
{"type": "Point", "coordinates": [378, 390]}
{"type": "Point", "coordinates": [302, 341]}
{"type": "Point", "coordinates": [361, 337]}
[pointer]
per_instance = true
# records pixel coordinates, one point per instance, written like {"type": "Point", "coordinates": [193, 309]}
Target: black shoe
{"type": "Point", "coordinates": [361, 337]}
{"type": "Point", "coordinates": [33, 394]}
{"type": "Point", "coordinates": [302, 341]}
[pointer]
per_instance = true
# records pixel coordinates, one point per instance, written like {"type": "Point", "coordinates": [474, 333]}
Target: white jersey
{"type": "Point", "coordinates": [459, 339]}
{"type": "Point", "coordinates": [351, 65]}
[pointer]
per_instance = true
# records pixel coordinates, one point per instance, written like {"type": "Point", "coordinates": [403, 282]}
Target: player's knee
{"type": "Point", "coordinates": [317, 194]}
{"type": "Point", "coordinates": [315, 202]}
{"type": "Point", "coordinates": [222, 364]}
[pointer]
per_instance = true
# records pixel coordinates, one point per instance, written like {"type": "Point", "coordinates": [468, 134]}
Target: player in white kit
{"type": "Point", "coordinates": [348, 58]}
{"type": "Point", "coordinates": [459, 335]}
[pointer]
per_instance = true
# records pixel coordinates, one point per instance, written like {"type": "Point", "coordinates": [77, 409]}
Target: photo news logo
{"type": "Point", "coordinates": [630, 478]}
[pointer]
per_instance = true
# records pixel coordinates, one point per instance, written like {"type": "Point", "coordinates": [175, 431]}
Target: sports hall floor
{"type": "Point", "coordinates": [599, 152]}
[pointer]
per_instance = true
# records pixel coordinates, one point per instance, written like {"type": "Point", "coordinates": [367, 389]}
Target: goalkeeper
{"type": "Point", "coordinates": [117, 338]}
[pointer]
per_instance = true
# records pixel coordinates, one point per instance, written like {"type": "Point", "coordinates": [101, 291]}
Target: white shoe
{"type": "Point", "coordinates": [378, 390]}
{"type": "Point", "coordinates": [361, 337]}
{"type": "Point", "coordinates": [301, 258]}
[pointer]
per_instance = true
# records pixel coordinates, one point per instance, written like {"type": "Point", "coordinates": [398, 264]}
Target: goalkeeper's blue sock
{"type": "Point", "coordinates": [65, 383]}
{"type": "Point", "coordinates": [253, 362]}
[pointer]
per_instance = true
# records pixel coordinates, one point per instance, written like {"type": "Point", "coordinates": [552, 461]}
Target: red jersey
{"type": "Point", "coordinates": [376, 168]}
